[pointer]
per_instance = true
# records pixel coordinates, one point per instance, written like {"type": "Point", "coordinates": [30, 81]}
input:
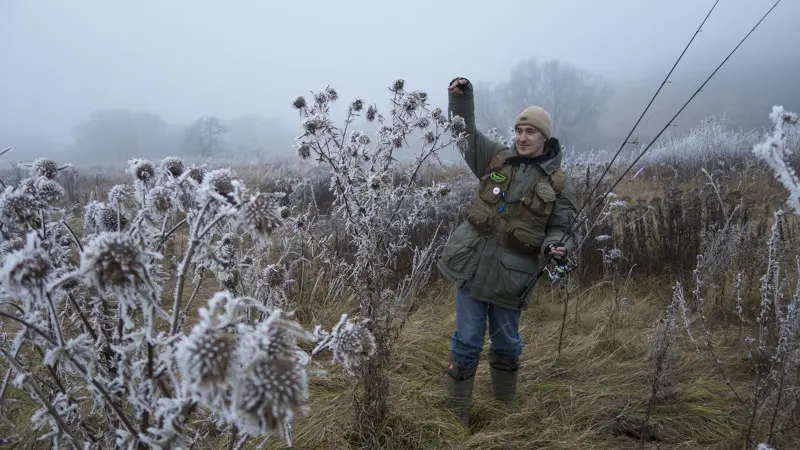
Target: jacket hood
{"type": "Point", "coordinates": [549, 160]}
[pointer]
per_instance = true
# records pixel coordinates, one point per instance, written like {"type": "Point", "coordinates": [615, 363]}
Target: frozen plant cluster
{"type": "Point", "coordinates": [379, 202]}
{"type": "Point", "coordinates": [378, 207]}
{"type": "Point", "coordinates": [97, 323]}
{"type": "Point", "coordinates": [777, 152]}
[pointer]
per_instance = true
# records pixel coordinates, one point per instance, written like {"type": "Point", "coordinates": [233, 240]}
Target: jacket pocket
{"type": "Point", "coordinates": [542, 201]}
{"type": "Point", "coordinates": [516, 275]}
{"type": "Point", "coordinates": [492, 187]}
{"type": "Point", "coordinates": [481, 216]}
{"type": "Point", "coordinates": [460, 254]}
{"type": "Point", "coordinates": [523, 237]}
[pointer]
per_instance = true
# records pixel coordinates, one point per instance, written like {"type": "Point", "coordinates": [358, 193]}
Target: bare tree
{"type": "Point", "coordinates": [573, 97]}
{"type": "Point", "coordinates": [205, 136]}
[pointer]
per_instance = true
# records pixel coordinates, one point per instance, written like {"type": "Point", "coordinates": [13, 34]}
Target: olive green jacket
{"type": "Point", "coordinates": [476, 259]}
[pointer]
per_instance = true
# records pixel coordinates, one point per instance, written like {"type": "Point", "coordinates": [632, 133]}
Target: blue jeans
{"type": "Point", "coordinates": [471, 317]}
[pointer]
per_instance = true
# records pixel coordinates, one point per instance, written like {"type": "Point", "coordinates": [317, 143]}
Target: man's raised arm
{"type": "Point", "coordinates": [480, 149]}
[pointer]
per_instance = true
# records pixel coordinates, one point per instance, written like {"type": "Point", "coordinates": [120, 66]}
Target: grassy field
{"type": "Point", "coordinates": [594, 371]}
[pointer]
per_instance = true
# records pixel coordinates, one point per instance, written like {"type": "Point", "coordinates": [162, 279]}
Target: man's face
{"type": "Point", "coordinates": [530, 142]}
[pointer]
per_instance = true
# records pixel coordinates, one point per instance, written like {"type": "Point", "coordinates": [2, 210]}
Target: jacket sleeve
{"type": "Point", "coordinates": [480, 149]}
{"type": "Point", "coordinates": [564, 212]}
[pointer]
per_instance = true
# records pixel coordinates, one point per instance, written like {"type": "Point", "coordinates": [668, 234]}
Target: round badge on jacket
{"type": "Point", "coordinates": [496, 190]}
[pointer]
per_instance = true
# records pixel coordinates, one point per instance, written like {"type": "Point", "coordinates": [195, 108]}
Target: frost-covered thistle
{"type": "Point", "coordinates": [46, 168]}
{"type": "Point", "coordinates": [268, 394]}
{"type": "Point", "coordinates": [351, 342]}
{"type": "Point", "coordinates": [352, 345]}
{"type": "Point", "coordinates": [141, 169]}
{"type": "Point", "coordinates": [261, 214]}
{"type": "Point", "coordinates": [19, 208]}
{"type": "Point", "coordinates": [222, 185]}
{"type": "Point", "coordinates": [205, 354]}
{"type": "Point", "coordinates": [26, 271]}
{"type": "Point", "coordinates": [115, 262]}
{"type": "Point", "coordinates": [108, 219]}
{"type": "Point", "coordinates": [119, 195]}
{"type": "Point", "coordinates": [172, 166]}
{"type": "Point", "coordinates": [49, 191]}
{"type": "Point", "coordinates": [160, 202]}
{"type": "Point", "coordinates": [196, 174]}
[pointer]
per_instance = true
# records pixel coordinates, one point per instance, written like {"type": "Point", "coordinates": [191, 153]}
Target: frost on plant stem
{"type": "Point", "coordinates": [91, 301]}
{"type": "Point", "coordinates": [773, 149]}
{"type": "Point", "coordinates": [379, 204]}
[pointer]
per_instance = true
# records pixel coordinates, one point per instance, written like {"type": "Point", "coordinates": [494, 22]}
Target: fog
{"type": "Point", "coordinates": [171, 63]}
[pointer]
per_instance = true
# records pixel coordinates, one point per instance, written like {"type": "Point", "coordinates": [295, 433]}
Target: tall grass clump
{"type": "Point", "coordinates": [764, 383]}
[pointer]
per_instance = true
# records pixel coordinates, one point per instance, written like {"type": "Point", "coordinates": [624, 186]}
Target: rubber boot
{"type": "Point", "coordinates": [504, 377]}
{"type": "Point", "coordinates": [460, 381]}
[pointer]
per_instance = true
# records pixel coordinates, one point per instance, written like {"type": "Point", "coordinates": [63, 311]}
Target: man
{"type": "Point", "coordinates": [516, 222]}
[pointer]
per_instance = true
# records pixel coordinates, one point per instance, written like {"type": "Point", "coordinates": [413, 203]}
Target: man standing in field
{"type": "Point", "coordinates": [522, 208]}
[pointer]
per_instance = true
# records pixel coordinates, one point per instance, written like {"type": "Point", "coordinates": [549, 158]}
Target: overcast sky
{"type": "Point", "coordinates": [60, 59]}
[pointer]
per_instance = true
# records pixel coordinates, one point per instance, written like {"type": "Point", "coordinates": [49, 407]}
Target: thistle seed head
{"type": "Point", "coordinates": [159, 200]}
{"type": "Point", "coordinates": [261, 214]}
{"type": "Point", "coordinates": [46, 168]}
{"type": "Point", "coordinates": [313, 125]}
{"type": "Point", "coordinates": [206, 355]}
{"type": "Point", "coordinates": [197, 174]}
{"type": "Point", "coordinates": [49, 191]}
{"type": "Point", "coordinates": [299, 102]}
{"type": "Point", "coordinates": [357, 105]}
{"type": "Point", "coordinates": [26, 270]}
{"type": "Point", "coordinates": [410, 103]}
{"type": "Point", "coordinates": [459, 125]}
{"type": "Point", "coordinates": [352, 345]}
{"type": "Point", "coordinates": [141, 169]}
{"type": "Point", "coordinates": [113, 262]}
{"type": "Point", "coordinates": [173, 166]}
{"type": "Point", "coordinates": [430, 138]}
{"type": "Point", "coordinates": [304, 150]}
{"type": "Point", "coordinates": [112, 220]}
{"type": "Point", "coordinates": [281, 344]}
{"type": "Point", "coordinates": [398, 85]}
{"type": "Point", "coordinates": [18, 206]}
{"type": "Point", "coordinates": [332, 94]}
{"type": "Point", "coordinates": [269, 392]}
{"type": "Point", "coordinates": [372, 113]}
{"type": "Point", "coordinates": [222, 184]}
{"type": "Point", "coordinates": [120, 194]}
{"type": "Point", "coordinates": [275, 275]}
{"type": "Point", "coordinates": [438, 116]}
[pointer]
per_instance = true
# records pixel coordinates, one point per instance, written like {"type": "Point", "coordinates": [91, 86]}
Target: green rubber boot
{"type": "Point", "coordinates": [460, 381]}
{"type": "Point", "coordinates": [504, 377]}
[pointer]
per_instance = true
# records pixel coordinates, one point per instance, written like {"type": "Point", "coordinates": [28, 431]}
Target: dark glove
{"type": "Point", "coordinates": [462, 87]}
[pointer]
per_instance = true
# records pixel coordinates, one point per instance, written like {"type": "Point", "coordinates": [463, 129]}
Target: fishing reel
{"type": "Point", "coordinates": [560, 273]}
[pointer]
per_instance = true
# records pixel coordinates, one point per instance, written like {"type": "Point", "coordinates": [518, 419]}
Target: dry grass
{"type": "Point", "coordinates": [593, 396]}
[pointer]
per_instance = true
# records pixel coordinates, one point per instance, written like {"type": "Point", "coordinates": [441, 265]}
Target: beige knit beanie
{"type": "Point", "coordinates": [536, 117]}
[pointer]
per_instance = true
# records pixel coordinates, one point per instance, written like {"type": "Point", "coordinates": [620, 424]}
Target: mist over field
{"type": "Point", "coordinates": [99, 82]}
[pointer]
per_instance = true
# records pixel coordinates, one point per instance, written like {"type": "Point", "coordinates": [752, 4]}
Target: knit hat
{"type": "Point", "coordinates": [536, 117]}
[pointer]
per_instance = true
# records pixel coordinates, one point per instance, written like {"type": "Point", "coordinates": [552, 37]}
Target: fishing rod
{"type": "Point", "coordinates": [641, 116]}
{"type": "Point", "coordinates": [669, 123]}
